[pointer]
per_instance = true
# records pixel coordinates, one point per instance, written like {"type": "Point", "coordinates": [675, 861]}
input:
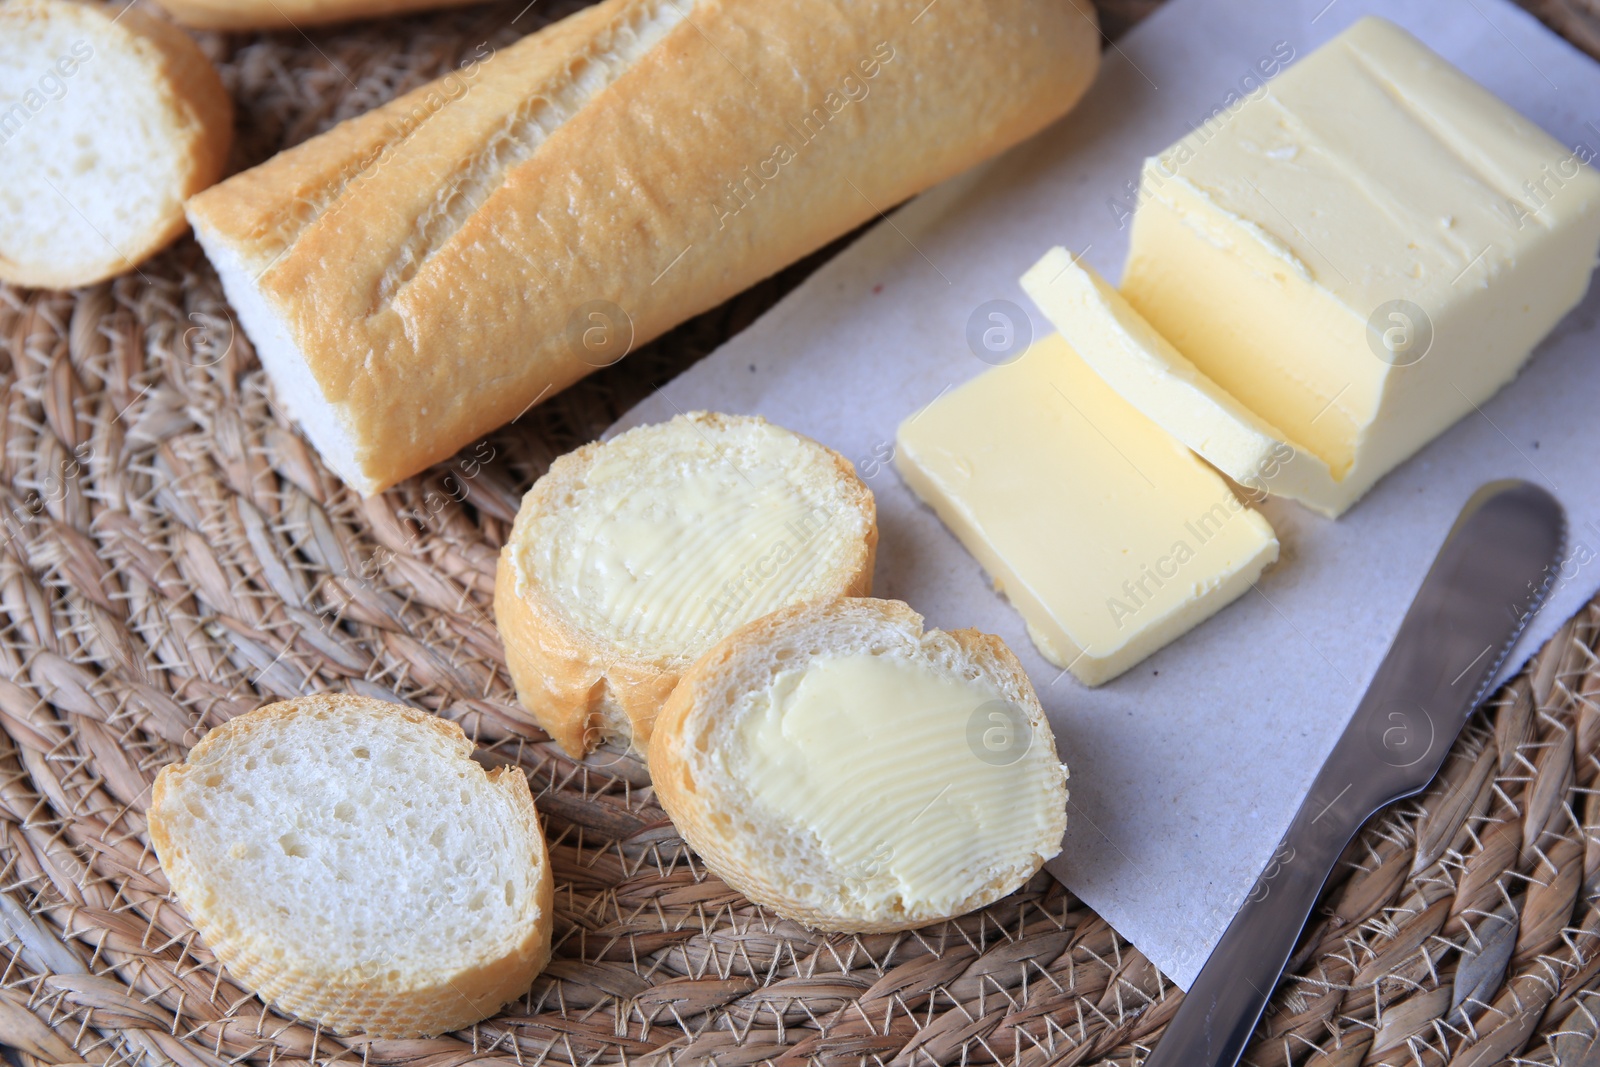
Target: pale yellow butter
{"type": "Point", "coordinates": [878, 759]}
{"type": "Point", "coordinates": [1365, 251]}
{"type": "Point", "coordinates": [1108, 535]}
{"type": "Point", "coordinates": [679, 548]}
{"type": "Point", "coordinates": [1154, 377]}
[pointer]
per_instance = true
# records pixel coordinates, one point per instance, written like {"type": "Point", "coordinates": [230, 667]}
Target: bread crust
{"type": "Point", "coordinates": [680, 725]}
{"type": "Point", "coordinates": [290, 14]}
{"type": "Point", "coordinates": [750, 135]}
{"type": "Point", "coordinates": [357, 1001]}
{"type": "Point", "coordinates": [193, 94]}
{"type": "Point", "coordinates": [566, 677]}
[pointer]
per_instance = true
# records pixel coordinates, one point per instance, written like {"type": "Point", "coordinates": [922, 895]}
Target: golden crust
{"type": "Point", "coordinates": [194, 94]}
{"type": "Point", "coordinates": [359, 1002]}
{"type": "Point", "coordinates": [706, 830]}
{"type": "Point", "coordinates": [664, 194]}
{"type": "Point", "coordinates": [564, 674]}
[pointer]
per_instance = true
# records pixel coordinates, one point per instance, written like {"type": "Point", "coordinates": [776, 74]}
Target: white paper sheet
{"type": "Point", "coordinates": [1185, 771]}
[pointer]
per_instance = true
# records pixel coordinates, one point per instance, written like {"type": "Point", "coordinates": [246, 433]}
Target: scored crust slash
{"type": "Point", "coordinates": [403, 316]}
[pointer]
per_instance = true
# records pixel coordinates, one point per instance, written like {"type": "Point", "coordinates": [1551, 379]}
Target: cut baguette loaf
{"type": "Point", "coordinates": [428, 271]}
{"type": "Point", "coordinates": [853, 772]}
{"type": "Point", "coordinates": [107, 124]}
{"type": "Point", "coordinates": [633, 556]}
{"type": "Point", "coordinates": [348, 861]}
{"type": "Point", "coordinates": [290, 14]}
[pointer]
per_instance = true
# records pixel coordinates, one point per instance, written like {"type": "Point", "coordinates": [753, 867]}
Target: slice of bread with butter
{"type": "Point", "coordinates": [347, 860]}
{"type": "Point", "coordinates": [633, 556]}
{"type": "Point", "coordinates": [852, 771]}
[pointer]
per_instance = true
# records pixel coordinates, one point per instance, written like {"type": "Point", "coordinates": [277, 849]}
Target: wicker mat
{"type": "Point", "coordinates": [173, 555]}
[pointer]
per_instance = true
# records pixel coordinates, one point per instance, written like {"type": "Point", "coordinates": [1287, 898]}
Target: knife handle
{"type": "Point", "coordinates": [1220, 1011]}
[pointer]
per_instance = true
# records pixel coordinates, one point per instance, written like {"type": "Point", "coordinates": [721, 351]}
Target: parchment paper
{"type": "Point", "coordinates": [1185, 771]}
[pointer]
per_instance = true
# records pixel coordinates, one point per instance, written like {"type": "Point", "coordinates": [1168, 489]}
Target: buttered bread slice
{"type": "Point", "coordinates": [633, 556]}
{"type": "Point", "coordinates": [347, 860]}
{"type": "Point", "coordinates": [854, 772]}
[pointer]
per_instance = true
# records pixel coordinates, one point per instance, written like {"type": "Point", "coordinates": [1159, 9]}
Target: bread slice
{"type": "Point", "coordinates": [290, 14]}
{"type": "Point", "coordinates": [108, 122]}
{"type": "Point", "coordinates": [631, 557]}
{"type": "Point", "coordinates": [427, 271]}
{"type": "Point", "coordinates": [853, 772]}
{"type": "Point", "coordinates": [348, 861]}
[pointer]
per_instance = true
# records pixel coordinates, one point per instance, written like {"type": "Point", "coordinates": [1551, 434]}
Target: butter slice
{"type": "Point", "coordinates": [871, 756]}
{"type": "Point", "coordinates": [1144, 368]}
{"type": "Point", "coordinates": [1365, 250]}
{"type": "Point", "coordinates": [1107, 534]}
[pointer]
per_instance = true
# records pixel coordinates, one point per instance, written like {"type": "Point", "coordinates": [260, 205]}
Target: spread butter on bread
{"type": "Point", "coordinates": [855, 772]}
{"type": "Point", "coordinates": [633, 556]}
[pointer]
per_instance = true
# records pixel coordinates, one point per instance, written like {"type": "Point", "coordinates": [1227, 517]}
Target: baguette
{"type": "Point", "coordinates": [107, 124]}
{"type": "Point", "coordinates": [290, 14]}
{"type": "Point", "coordinates": [633, 556]}
{"type": "Point", "coordinates": [426, 272]}
{"type": "Point", "coordinates": [853, 772]}
{"type": "Point", "coordinates": [348, 861]}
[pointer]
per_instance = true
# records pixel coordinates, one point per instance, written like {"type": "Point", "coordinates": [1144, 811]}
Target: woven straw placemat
{"type": "Point", "coordinates": [173, 554]}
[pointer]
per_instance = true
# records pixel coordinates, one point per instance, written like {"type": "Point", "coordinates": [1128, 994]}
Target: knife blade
{"type": "Point", "coordinates": [1490, 577]}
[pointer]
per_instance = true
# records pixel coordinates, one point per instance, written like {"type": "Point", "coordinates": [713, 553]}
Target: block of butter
{"type": "Point", "coordinates": [1144, 368]}
{"type": "Point", "coordinates": [1107, 534]}
{"type": "Point", "coordinates": [1364, 251]}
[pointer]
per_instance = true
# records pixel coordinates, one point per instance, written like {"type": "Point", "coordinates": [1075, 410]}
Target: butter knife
{"type": "Point", "coordinates": [1488, 580]}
